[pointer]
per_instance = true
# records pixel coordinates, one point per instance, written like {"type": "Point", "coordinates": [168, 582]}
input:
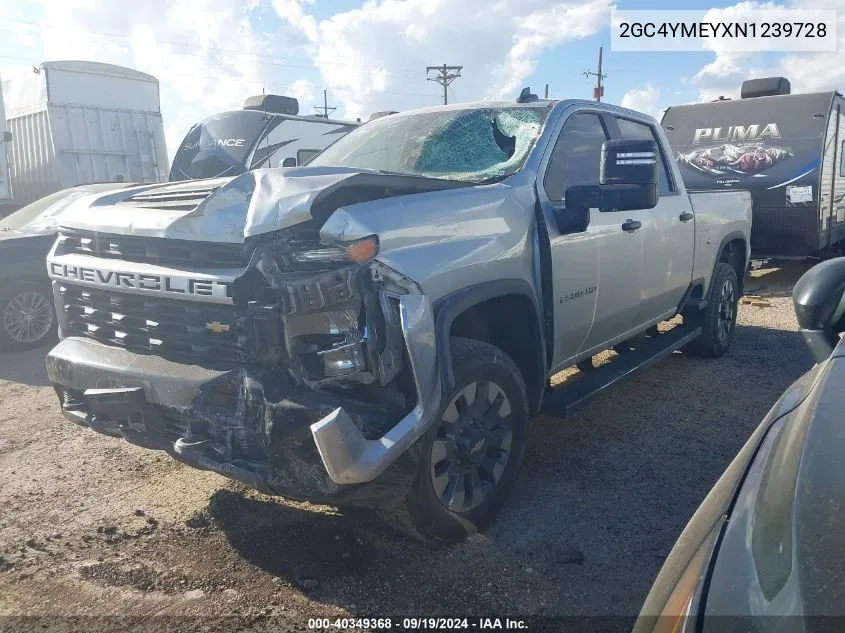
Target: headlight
{"type": "Point", "coordinates": [359, 251]}
{"type": "Point", "coordinates": [317, 292]}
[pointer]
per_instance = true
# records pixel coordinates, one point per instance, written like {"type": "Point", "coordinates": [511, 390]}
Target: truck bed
{"type": "Point", "coordinates": [717, 213]}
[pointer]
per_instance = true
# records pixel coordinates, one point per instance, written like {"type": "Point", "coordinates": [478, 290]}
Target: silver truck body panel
{"type": "Point", "coordinates": [718, 214]}
{"type": "Point", "coordinates": [349, 458]}
{"type": "Point", "coordinates": [447, 240]}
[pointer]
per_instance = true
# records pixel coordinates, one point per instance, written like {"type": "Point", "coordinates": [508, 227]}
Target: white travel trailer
{"type": "Point", "coordinates": [268, 132]}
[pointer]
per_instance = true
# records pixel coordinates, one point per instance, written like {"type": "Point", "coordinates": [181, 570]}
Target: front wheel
{"type": "Point", "coordinates": [471, 455]}
{"type": "Point", "coordinates": [27, 318]}
{"type": "Point", "coordinates": [718, 319]}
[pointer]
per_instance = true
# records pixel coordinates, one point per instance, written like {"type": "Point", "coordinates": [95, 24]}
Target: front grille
{"type": "Point", "coordinates": [166, 327]}
{"type": "Point", "coordinates": [162, 252]}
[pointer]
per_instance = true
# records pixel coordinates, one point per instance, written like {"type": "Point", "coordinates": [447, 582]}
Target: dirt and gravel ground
{"type": "Point", "coordinates": [92, 526]}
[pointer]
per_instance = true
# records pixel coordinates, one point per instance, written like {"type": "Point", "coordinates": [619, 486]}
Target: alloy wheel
{"type": "Point", "coordinates": [472, 446]}
{"type": "Point", "coordinates": [28, 317]}
{"type": "Point", "coordinates": [726, 316]}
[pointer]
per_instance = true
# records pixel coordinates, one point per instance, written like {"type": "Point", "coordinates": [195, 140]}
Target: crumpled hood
{"type": "Point", "coordinates": [234, 209]}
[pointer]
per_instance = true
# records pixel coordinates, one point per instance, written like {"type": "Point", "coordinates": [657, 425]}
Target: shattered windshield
{"type": "Point", "coordinates": [480, 144]}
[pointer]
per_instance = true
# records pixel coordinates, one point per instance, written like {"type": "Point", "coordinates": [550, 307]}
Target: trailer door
{"type": "Point", "coordinates": [836, 218]}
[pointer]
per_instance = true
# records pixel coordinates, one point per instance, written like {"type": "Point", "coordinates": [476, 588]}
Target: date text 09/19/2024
{"type": "Point", "coordinates": [418, 624]}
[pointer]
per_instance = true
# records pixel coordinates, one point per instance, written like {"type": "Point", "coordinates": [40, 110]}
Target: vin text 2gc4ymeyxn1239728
{"type": "Point", "coordinates": [377, 328]}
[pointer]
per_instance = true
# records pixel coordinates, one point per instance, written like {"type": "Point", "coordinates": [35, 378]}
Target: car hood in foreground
{"type": "Point", "coordinates": [783, 551]}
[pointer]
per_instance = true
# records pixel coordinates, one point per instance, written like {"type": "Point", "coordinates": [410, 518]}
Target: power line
{"type": "Point", "coordinates": [598, 91]}
{"type": "Point", "coordinates": [325, 107]}
{"type": "Point", "coordinates": [445, 75]}
{"type": "Point", "coordinates": [274, 87]}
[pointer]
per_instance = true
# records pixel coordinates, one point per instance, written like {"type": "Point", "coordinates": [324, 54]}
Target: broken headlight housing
{"type": "Point", "coordinates": [320, 289]}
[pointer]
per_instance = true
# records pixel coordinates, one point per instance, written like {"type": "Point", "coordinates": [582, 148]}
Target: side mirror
{"type": "Point", "coordinates": [819, 301]}
{"type": "Point", "coordinates": [629, 163]}
{"type": "Point", "coordinates": [627, 179]}
{"type": "Point", "coordinates": [289, 162]}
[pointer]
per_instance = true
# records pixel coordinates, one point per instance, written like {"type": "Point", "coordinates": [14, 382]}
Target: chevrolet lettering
{"type": "Point", "coordinates": [212, 289]}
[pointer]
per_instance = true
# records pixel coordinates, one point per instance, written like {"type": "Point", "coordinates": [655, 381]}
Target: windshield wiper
{"type": "Point", "coordinates": [490, 180]}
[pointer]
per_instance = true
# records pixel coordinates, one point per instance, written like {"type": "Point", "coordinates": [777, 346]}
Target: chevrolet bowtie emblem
{"type": "Point", "coordinates": [217, 327]}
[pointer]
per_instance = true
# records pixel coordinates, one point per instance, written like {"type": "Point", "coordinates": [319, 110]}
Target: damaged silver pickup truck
{"type": "Point", "coordinates": [377, 328]}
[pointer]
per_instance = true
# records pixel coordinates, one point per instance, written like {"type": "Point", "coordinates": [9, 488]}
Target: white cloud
{"type": "Point", "coordinates": [807, 72]}
{"type": "Point", "coordinates": [374, 57]}
{"type": "Point", "coordinates": [207, 54]}
{"type": "Point", "coordinates": [644, 99]}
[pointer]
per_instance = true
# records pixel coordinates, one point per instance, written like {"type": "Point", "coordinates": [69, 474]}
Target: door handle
{"type": "Point", "coordinates": [631, 225]}
{"type": "Point", "coordinates": [686, 216]}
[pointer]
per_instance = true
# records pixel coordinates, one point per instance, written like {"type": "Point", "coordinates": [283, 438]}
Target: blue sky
{"type": "Point", "coordinates": [209, 55]}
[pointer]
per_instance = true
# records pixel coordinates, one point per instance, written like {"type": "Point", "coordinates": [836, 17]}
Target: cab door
{"type": "Point", "coordinates": [596, 263]}
{"type": "Point", "coordinates": [668, 230]}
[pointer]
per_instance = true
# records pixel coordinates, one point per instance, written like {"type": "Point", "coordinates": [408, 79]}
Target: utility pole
{"type": "Point", "coordinates": [325, 107]}
{"type": "Point", "coordinates": [598, 91]}
{"type": "Point", "coordinates": [445, 75]}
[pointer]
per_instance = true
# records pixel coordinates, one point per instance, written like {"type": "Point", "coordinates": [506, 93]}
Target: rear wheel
{"type": "Point", "coordinates": [718, 319]}
{"type": "Point", "coordinates": [27, 318]}
{"type": "Point", "coordinates": [471, 455]}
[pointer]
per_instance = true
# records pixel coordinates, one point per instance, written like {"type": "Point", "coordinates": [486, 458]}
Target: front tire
{"type": "Point", "coordinates": [27, 316]}
{"type": "Point", "coordinates": [718, 319]}
{"type": "Point", "coordinates": [471, 455]}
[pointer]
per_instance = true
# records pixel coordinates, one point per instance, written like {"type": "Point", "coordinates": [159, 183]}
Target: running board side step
{"type": "Point", "coordinates": [565, 400]}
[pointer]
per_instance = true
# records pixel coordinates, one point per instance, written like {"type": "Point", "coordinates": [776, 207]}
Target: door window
{"type": "Point", "coordinates": [576, 156]}
{"type": "Point", "coordinates": [636, 131]}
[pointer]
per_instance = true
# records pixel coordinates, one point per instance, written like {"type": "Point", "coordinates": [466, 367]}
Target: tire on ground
{"type": "Point", "coordinates": [9, 340]}
{"type": "Point", "coordinates": [421, 514]}
{"type": "Point", "coordinates": [711, 344]}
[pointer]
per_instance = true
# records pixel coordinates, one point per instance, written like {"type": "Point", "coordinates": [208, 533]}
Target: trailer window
{"type": "Point", "coordinates": [634, 130]}
{"type": "Point", "coordinates": [576, 158]}
{"type": "Point", "coordinates": [219, 145]}
{"type": "Point", "coordinates": [304, 155]}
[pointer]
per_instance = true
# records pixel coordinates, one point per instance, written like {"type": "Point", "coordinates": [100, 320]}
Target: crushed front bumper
{"type": "Point", "coordinates": [243, 423]}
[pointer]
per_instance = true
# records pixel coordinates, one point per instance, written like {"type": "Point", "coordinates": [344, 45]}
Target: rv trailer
{"type": "Point", "coordinates": [786, 149]}
{"type": "Point", "coordinates": [268, 132]}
